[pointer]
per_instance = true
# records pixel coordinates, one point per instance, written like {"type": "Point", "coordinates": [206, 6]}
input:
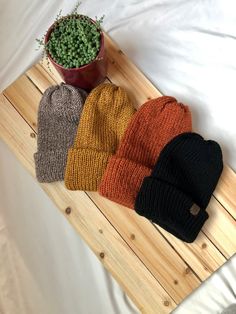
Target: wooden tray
{"type": "Point", "coordinates": [155, 269]}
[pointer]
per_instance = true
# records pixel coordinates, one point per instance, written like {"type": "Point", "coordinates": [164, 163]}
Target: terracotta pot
{"type": "Point", "coordinates": [87, 76]}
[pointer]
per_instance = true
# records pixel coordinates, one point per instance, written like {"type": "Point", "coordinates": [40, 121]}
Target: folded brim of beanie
{"type": "Point", "coordinates": [50, 165]}
{"type": "Point", "coordinates": [169, 207]}
{"type": "Point", "coordinates": [85, 168]}
{"type": "Point", "coordinates": [122, 180]}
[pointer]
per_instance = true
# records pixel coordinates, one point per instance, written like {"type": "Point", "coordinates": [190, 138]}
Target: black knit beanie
{"type": "Point", "coordinates": [186, 173]}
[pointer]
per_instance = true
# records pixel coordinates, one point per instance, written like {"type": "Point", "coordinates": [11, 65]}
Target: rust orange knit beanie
{"type": "Point", "coordinates": [151, 128]}
{"type": "Point", "coordinates": [105, 117]}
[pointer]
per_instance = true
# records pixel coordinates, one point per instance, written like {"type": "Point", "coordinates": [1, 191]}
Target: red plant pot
{"type": "Point", "coordinates": [87, 76]}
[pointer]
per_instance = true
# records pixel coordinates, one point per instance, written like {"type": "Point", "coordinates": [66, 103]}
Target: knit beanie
{"type": "Point", "coordinates": [58, 118]}
{"type": "Point", "coordinates": [151, 128]}
{"type": "Point", "coordinates": [107, 112]}
{"type": "Point", "coordinates": [185, 174]}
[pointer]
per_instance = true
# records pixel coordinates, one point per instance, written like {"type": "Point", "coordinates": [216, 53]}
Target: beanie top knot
{"type": "Point", "coordinates": [151, 128]}
{"type": "Point", "coordinates": [186, 173]}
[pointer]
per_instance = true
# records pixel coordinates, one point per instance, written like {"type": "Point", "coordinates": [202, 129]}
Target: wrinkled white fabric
{"type": "Point", "coordinates": [21, 22]}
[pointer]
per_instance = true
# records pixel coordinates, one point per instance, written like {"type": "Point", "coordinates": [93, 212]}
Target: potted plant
{"type": "Point", "coordinates": [75, 46]}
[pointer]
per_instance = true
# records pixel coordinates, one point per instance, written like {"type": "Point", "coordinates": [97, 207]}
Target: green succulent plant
{"type": "Point", "coordinates": [74, 40]}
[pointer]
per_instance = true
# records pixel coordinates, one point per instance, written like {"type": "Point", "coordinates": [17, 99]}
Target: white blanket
{"type": "Point", "coordinates": [187, 48]}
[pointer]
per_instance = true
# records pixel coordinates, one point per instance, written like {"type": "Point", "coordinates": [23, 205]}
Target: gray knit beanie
{"type": "Point", "coordinates": [58, 118]}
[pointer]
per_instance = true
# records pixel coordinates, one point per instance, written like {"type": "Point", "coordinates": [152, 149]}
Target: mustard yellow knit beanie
{"type": "Point", "coordinates": [106, 114]}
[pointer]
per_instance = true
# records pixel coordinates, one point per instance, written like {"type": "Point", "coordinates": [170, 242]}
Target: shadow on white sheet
{"type": "Point", "coordinates": [45, 267]}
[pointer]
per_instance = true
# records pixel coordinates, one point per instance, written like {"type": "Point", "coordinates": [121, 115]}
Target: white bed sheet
{"type": "Point", "coordinates": [187, 49]}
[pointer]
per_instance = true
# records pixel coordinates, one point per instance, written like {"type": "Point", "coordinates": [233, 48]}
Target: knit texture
{"type": "Point", "coordinates": [152, 127]}
{"type": "Point", "coordinates": [186, 173]}
{"type": "Point", "coordinates": [107, 112]}
{"type": "Point", "coordinates": [58, 118]}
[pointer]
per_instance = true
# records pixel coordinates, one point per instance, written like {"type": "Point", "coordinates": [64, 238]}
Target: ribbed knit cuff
{"type": "Point", "coordinates": [50, 165]}
{"type": "Point", "coordinates": [85, 168]}
{"type": "Point", "coordinates": [122, 180]}
{"type": "Point", "coordinates": [169, 207]}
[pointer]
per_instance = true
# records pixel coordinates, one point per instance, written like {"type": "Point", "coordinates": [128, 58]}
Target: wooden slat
{"type": "Point", "coordinates": [202, 263]}
{"type": "Point", "coordinates": [210, 261]}
{"type": "Point", "coordinates": [151, 247]}
{"type": "Point", "coordinates": [202, 253]}
{"type": "Point", "coordinates": [202, 256]}
{"type": "Point", "coordinates": [41, 76]}
{"type": "Point", "coordinates": [21, 93]}
{"type": "Point", "coordinates": [221, 228]}
{"type": "Point", "coordinates": [226, 190]}
{"type": "Point", "coordinates": [50, 70]}
{"type": "Point", "coordinates": [146, 235]}
{"type": "Point", "coordinates": [90, 223]}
